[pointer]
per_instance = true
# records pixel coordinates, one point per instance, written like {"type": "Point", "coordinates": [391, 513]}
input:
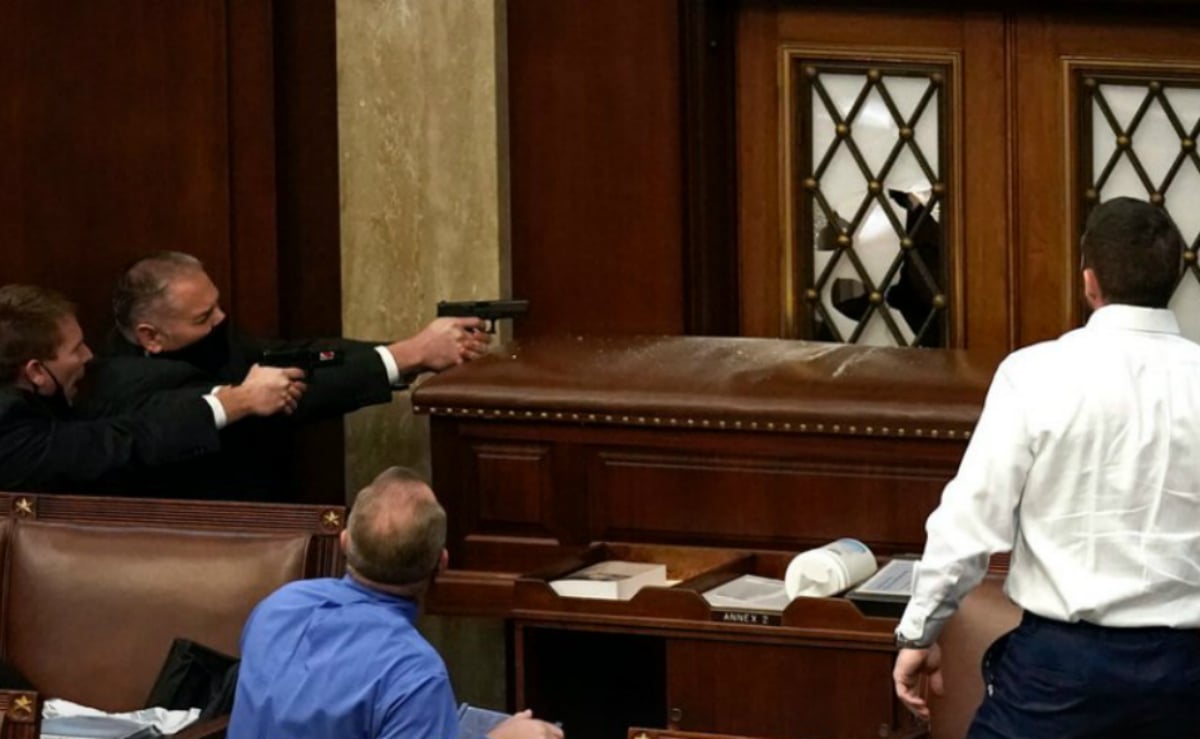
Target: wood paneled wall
{"type": "Point", "coordinates": [125, 124]}
{"type": "Point", "coordinates": [130, 126]}
{"type": "Point", "coordinates": [207, 126]}
{"type": "Point", "coordinates": [625, 160]}
{"type": "Point", "coordinates": [596, 162]}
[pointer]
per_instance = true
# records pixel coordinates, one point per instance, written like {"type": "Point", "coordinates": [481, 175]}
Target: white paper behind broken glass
{"type": "Point", "coordinates": [1156, 144]}
{"type": "Point", "coordinates": [62, 719]}
{"type": "Point", "coordinates": [844, 187]}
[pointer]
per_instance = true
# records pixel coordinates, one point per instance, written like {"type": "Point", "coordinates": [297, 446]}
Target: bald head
{"type": "Point", "coordinates": [396, 531]}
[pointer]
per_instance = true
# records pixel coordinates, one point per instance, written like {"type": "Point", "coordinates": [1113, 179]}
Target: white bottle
{"type": "Point", "coordinates": [819, 573]}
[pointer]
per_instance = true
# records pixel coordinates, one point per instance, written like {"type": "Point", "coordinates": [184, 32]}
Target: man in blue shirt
{"type": "Point", "coordinates": [342, 659]}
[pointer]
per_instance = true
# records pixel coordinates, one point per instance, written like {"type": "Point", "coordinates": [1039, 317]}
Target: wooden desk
{"type": "Point", "coordinates": [741, 448]}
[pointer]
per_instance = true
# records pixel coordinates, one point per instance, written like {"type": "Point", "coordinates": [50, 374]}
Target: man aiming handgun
{"type": "Point", "coordinates": [167, 309]}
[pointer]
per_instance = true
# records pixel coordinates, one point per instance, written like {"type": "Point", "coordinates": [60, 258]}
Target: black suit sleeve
{"type": "Point", "coordinates": [360, 380]}
{"type": "Point", "coordinates": [39, 452]}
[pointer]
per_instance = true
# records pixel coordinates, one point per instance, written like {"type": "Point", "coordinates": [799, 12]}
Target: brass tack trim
{"type": "Point", "coordinates": [693, 422]}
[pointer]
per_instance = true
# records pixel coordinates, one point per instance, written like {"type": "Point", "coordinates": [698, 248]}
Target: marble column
{"type": "Point", "coordinates": [423, 195]}
{"type": "Point", "coordinates": [423, 217]}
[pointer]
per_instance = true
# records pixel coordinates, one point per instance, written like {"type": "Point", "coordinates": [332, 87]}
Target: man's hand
{"type": "Point", "coordinates": [912, 666]}
{"type": "Point", "coordinates": [524, 726]}
{"type": "Point", "coordinates": [265, 392]}
{"type": "Point", "coordinates": [444, 343]}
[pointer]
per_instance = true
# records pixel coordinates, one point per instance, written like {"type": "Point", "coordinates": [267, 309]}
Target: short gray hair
{"type": "Point", "coordinates": [143, 285]}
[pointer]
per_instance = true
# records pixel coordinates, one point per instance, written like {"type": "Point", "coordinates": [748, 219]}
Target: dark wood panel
{"type": "Point", "coordinates": [513, 483]}
{"type": "Point", "coordinates": [308, 209]}
{"type": "Point", "coordinates": [792, 503]}
{"type": "Point", "coordinates": [710, 168]}
{"type": "Point", "coordinates": [306, 184]}
{"type": "Point", "coordinates": [771, 691]}
{"type": "Point", "coordinates": [116, 139]}
{"type": "Point", "coordinates": [596, 162]}
{"type": "Point", "coordinates": [251, 108]}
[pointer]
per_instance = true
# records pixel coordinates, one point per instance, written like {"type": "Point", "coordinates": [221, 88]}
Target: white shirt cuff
{"type": "Point", "coordinates": [389, 363]}
{"type": "Point", "coordinates": [218, 410]}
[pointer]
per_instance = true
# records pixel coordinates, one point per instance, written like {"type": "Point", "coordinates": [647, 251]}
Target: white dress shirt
{"type": "Point", "coordinates": [1086, 464]}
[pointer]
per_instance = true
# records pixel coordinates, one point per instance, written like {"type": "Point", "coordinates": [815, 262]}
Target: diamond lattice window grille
{"type": "Point", "coordinates": [871, 238]}
{"type": "Point", "coordinates": [1138, 139]}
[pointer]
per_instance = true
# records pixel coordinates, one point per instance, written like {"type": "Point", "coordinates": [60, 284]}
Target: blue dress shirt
{"type": "Point", "coordinates": [333, 659]}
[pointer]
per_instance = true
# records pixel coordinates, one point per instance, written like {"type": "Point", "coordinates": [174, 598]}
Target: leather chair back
{"type": "Point", "coordinates": [90, 611]}
{"type": "Point", "coordinates": [984, 615]}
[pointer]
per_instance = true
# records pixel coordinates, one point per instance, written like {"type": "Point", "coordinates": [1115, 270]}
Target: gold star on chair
{"type": "Point", "coordinates": [21, 708]}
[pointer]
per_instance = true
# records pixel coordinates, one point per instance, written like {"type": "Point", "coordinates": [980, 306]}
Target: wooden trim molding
{"type": "Point", "coordinates": [702, 422]}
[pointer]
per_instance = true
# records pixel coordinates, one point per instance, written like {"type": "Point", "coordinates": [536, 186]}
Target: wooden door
{"type": "Point", "coordinates": [779, 689]}
{"type": "Point", "coordinates": [957, 58]}
{"type": "Point", "coordinates": [1144, 70]}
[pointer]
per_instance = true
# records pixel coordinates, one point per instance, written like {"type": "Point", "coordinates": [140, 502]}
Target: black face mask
{"type": "Point", "coordinates": [210, 354]}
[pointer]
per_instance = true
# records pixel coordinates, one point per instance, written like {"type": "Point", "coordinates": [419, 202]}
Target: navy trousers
{"type": "Point", "coordinates": [1053, 680]}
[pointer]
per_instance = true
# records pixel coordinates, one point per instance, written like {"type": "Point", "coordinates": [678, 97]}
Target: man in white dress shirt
{"type": "Point", "coordinates": [1086, 465]}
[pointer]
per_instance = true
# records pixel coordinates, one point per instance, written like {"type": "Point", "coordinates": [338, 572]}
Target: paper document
{"type": "Point", "coordinates": [475, 722]}
{"type": "Point", "coordinates": [749, 592]}
{"type": "Point", "coordinates": [894, 578]}
{"type": "Point", "coordinates": [63, 719]}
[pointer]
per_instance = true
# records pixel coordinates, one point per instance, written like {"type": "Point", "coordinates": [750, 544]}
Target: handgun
{"type": "Point", "coordinates": [306, 359]}
{"type": "Point", "coordinates": [489, 310]}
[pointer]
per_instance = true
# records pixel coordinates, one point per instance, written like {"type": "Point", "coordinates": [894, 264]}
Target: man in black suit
{"type": "Point", "coordinates": [46, 445]}
{"type": "Point", "coordinates": [168, 312]}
